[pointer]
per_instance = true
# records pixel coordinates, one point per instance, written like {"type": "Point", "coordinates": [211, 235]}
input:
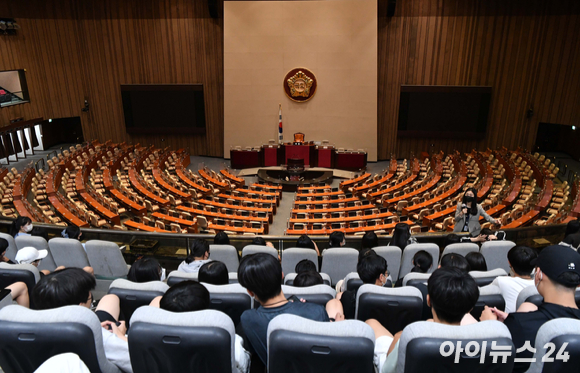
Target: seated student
{"type": "Point", "coordinates": [372, 269]}
{"type": "Point", "coordinates": [214, 272]}
{"type": "Point", "coordinates": [520, 261]}
{"type": "Point", "coordinates": [369, 240]}
{"type": "Point", "coordinates": [452, 260]}
{"type": "Point", "coordinates": [476, 261]}
{"type": "Point", "coordinates": [145, 270]}
{"type": "Point", "coordinates": [304, 242]}
{"type": "Point", "coordinates": [336, 239]}
{"type": "Point", "coordinates": [572, 227]}
{"type": "Point", "coordinates": [221, 238]}
{"type": "Point", "coordinates": [3, 247]}
{"type": "Point", "coordinates": [39, 232]}
{"type": "Point", "coordinates": [422, 263]}
{"type": "Point", "coordinates": [259, 241]}
{"type": "Point", "coordinates": [402, 236]}
{"type": "Point", "coordinates": [452, 294]}
{"type": "Point", "coordinates": [198, 256]}
{"type": "Point", "coordinates": [305, 265]}
{"type": "Point", "coordinates": [21, 226]}
{"type": "Point", "coordinates": [306, 279]}
{"type": "Point", "coordinates": [29, 255]}
{"type": "Point", "coordinates": [73, 286]}
{"type": "Point", "coordinates": [557, 274]}
{"type": "Point", "coordinates": [72, 232]}
{"type": "Point", "coordinates": [191, 296]}
{"type": "Point", "coordinates": [572, 241]}
{"type": "Point", "coordinates": [261, 274]}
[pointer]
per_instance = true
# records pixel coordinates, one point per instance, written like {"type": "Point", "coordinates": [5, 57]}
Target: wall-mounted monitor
{"type": "Point", "coordinates": [13, 88]}
{"type": "Point", "coordinates": [174, 109]}
{"type": "Point", "coordinates": [444, 111]}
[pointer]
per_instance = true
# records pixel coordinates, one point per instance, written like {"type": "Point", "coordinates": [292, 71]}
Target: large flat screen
{"type": "Point", "coordinates": [164, 109]}
{"type": "Point", "coordinates": [444, 111]}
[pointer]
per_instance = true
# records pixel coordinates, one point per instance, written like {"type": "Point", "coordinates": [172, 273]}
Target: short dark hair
{"type": "Point", "coordinates": [335, 239]}
{"type": "Point", "coordinates": [572, 227]}
{"type": "Point", "coordinates": [305, 265]}
{"type": "Point", "coordinates": [452, 293]}
{"type": "Point", "coordinates": [67, 287]}
{"type": "Point", "coordinates": [365, 252]}
{"type": "Point", "coordinates": [145, 270]}
{"type": "Point", "coordinates": [19, 223]}
{"type": "Point", "coordinates": [369, 240]}
{"type": "Point", "coordinates": [422, 261]}
{"type": "Point", "coordinates": [39, 232]}
{"type": "Point", "coordinates": [306, 279]}
{"type": "Point", "coordinates": [221, 238]}
{"type": "Point", "coordinates": [455, 260]}
{"type": "Point", "coordinates": [72, 231]}
{"type": "Point", "coordinates": [185, 296]}
{"type": "Point", "coordinates": [370, 268]}
{"type": "Point", "coordinates": [476, 261]}
{"type": "Point", "coordinates": [259, 241]}
{"type": "Point", "coordinates": [305, 242]}
{"type": "Point", "coordinates": [451, 239]}
{"type": "Point", "coordinates": [261, 273]}
{"type": "Point", "coordinates": [214, 272]}
{"type": "Point", "coordinates": [568, 278]}
{"type": "Point", "coordinates": [3, 245]}
{"type": "Point", "coordinates": [198, 249]}
{"type": "Point", "coordinates": [520, 258]}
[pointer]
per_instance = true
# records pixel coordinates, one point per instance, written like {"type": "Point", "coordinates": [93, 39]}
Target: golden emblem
{"type": "Point", "coordinates": [300, 85]}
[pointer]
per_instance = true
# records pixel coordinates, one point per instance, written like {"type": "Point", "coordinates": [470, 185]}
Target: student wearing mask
{"type": "Point", "coordinates": [468, 213]}
{"type": "Point", "coordinates": [336, 239]}
{"type": "Point", "coordinates": [22, 226]}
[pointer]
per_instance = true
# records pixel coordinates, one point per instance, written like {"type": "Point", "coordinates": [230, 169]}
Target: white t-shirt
{"type": "Point", "coordinates": [117, 351]}
{"type": "Point", "coordinates": [510, 288]}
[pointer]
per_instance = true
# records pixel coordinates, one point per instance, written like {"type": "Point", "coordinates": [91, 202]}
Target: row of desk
{"type": "Point", "coordinates": [313, 156]}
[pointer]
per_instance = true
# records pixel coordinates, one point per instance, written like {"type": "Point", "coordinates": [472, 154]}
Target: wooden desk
{"type": "Point", "coordinates": [237, 180]}
{"type": "Point", "coordinates": [21, 209]}
{"type": "Point", "coordinates": [277, 188]}
{"type": "Point", "coordinates": [511, 198]}
{"type": "Point", "coordinates": [135, 208]}
{"type": "Point", "coordinates": [234, 229]}
{"type": "Point", "coordinates": [172, 219]}
{"type": "Point", "coordinates": [327, 231]}
{"type": "Point", "coordinates": [429, 220]}
{"type": "Point", "coordinates": [343, 220]}
{"type": "Point", "coordinates": [102, 210]}
{"type": "Point", "coordinates": [523, 220]}
{"type": "Point", "coordinates": [408, 180]}
{"type": "Point", "coordinates": [425, 188]}
{"type": "Point", "coordinates": [381, 181]}
{"type": "Point", "coordinates": [159, 180]}
{"type": "Point", "coordinates": [361, 178]}
{"type": "Point", "coordinates": [547, 196]}
{"type": "Point", "coordinates": [328, 201]}
{"type": "Point", "coordinates": [439, 198]}
{"type": "Point", "coordinates": [218, 215]}
{"type": "Point", "coordinates": [253, 200]}
{"type": "Point", "coordinates": [190, 182]}
{"type": "Point", "coordinates": [143, 227]}
{"type": "Point", "coordinates": [65, 213]}
{"type": "Point", "coordinates": [337, 209]}
{"type": "Point", "coordinates": [241, 159]}
{"type": "Point", "coordinates": [211, 179]}
{"type": "Point", "coordinates": [144, 191]}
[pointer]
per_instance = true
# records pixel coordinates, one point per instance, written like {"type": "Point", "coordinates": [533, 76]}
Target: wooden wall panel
{"type": "Point", "coordinates": [528, 51]}
{"type": "Point", "coordinates": [87, 49]}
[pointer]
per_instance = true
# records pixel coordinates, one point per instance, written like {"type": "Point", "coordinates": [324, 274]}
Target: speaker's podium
{"type": "Point", "coordinates": [300, 149]}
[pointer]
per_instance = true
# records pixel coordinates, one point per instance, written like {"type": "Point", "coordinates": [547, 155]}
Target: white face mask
{"type": "Point", "coordinates": [162, 274]}
{"type": "Point", "coordinates": [27, 228]}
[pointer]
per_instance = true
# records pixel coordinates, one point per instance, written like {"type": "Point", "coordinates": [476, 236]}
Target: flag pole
{"type": "Point", "coordinates": [280, 130]}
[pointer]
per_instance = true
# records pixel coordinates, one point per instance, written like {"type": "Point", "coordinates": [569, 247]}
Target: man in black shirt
{"type": "Point", "coordinates": [557, 275]}
{"type": "Point", "coordinates": [372, 269]}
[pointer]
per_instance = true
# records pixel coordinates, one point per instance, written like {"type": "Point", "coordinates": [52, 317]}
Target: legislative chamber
{"type": "Point", "coordinates": [280, 186]}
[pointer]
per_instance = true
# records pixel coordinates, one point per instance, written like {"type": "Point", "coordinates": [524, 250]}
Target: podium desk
{"type": "Point", "coordinates": [350, 160]}
{"type": "Point", "coordinates": [245, 158]}
{"type": "Point", "coordinates": [326, 156]}
{"type": "Point", "coordinates": [306, 152]}
{"type": "Point", "coordinates": [270, 153]}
